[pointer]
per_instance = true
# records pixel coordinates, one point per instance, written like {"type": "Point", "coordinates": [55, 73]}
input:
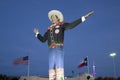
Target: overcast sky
{"type": "Point", "coordinates": [96, 38]}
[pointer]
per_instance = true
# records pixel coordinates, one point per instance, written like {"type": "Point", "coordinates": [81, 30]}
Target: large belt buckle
{"type": "Point", "coordinates": [53, 45]}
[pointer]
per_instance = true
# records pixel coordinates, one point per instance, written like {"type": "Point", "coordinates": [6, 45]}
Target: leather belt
{"type": "Point", "coordinates": [53, 45]}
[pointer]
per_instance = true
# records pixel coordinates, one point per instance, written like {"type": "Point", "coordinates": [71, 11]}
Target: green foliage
{"type": "Point", "coordinates": [5, 77]}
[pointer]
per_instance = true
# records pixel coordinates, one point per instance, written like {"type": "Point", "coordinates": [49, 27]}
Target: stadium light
{"type": "Point", "coordinates": [113, 55]}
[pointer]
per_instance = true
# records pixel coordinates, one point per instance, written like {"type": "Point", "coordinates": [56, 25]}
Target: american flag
{"type": "Point", "coordinates": [22, 60]}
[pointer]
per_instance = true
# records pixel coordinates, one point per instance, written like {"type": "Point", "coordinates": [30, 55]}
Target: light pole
{"type": "Point", "coordinates": [113, 55]}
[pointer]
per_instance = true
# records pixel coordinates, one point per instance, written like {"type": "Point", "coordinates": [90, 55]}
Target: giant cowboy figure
{"type": "Point", "coordinates": [55, 37]}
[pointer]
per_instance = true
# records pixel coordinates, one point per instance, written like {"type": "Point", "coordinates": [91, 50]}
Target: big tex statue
{"type": "Point", "coordinates": [55, 37]}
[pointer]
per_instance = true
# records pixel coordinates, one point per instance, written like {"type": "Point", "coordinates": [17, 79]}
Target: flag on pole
{"type": "Point", "coordinates": [22, 60]}
{"type": "Point", "coordinates": [83, 63]}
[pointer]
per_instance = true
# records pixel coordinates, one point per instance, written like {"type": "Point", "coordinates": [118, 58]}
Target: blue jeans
{"type": "Point", "coordinates": [56, 57]}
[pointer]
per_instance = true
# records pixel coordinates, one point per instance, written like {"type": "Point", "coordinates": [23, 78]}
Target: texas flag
{"type": "Point", "coordinates": [83, 63]}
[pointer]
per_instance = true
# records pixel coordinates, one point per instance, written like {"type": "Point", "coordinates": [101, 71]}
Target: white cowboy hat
{"type": "Point", "coordinates": [57, 13]}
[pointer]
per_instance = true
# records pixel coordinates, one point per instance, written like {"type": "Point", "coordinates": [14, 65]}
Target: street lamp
{"type": "Point", "coordinates": [113, 55]}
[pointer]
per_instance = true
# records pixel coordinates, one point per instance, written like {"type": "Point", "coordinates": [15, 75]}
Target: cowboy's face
{"type": "Point", "coordinates": [54, 19]}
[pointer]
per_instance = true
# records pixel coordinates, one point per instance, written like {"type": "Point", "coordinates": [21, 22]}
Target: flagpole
{"type": "Point", "coordinates": [28, 68]}
{"type": "Point", "coordinates": [88, 65]}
